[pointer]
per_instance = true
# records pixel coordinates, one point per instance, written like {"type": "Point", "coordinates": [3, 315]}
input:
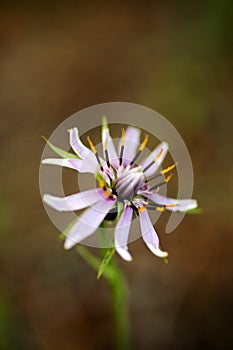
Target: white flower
{"type": "Point", "coordinates": [121, 183]}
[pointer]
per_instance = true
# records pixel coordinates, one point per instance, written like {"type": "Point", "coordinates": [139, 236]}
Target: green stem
{"type": "Point", "coordinates": [119, 296]}
{"type": "Point", "coordinates": [120, 301]}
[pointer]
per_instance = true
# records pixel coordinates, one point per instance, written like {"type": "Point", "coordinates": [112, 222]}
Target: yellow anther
{"type": "Point", "coordinates": [101, 183]}
{"type": "Point", "coordinates": [158, 155]}
{"type": "Point", "coordinates": [141, 209]}
{"type": "Point", "coordinates": [143, 144]}
{"type": "Point", "coordinates": [168, 178]}
{"type": "Point", "coordinates": [123, 137]}
{"type": "Point", "coordinates": [161, 209]}
{"type": "Point", "coordinates": [91, 145]}
{"type": "Point", "coordinates": [164, 171]}
{"type": "Point", "coordinates": [106, 193]}
{"type": "Point", "coordinates": [170, 205]}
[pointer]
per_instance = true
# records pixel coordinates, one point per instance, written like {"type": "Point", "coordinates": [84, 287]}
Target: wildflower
{"type": "Point", "coordinates": [125, 188]}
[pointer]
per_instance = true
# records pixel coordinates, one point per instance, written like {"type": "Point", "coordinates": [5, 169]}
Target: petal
{"type": "Point", "coordinates": [88, 165]}
{"type": "Point", "coordinates": [149, 235]}
{"type": "Point", "coordinates": [78, 147]}
{"type": "Point", "coordinates": [163, 148]}
{"type": "Point", "coordinates": [106, 137]}
{"type": "Point", "coordinates": [181, 204]}
{"type": "Point", "coordinates": [59, 162]}
{"type": "Point", "coordinates": [76, 201]}
{"type": "Point", "coordinates": [122, 233]}
{"type": "Point", "coordinates": [132, 142]}
{"type": "Point", "coordinates": [88, 222]}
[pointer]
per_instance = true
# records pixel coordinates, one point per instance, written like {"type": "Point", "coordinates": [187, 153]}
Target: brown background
{"type": "Point", "coordinates": [59, 57]}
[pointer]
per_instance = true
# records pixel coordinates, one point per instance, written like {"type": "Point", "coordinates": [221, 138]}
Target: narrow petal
{"type": "Point", "coordinates": [106, 137]}
{"type": "Point", "coordinates": [60, 162]}
{"type": "Point", "coordinates": [88, 222]}
{"type": "Point", "coordinates": [160, 151]}
{"type": "Point", "coordinates": [78, 147]}
{"type": "Point", "coordinates": [181, 204]}
{"type": "Point", "coordinates": [76, 201]}
{"type": "Point", "coordinates": [88, 165]}
{"type": "Point", "coordinates": [122, 233]}
{"type": "Point", "coordinates": [132, 142]}
{"type": "Point", "coordinates": [149, 235]}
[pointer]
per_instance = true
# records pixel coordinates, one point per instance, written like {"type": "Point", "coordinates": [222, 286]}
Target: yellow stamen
{"type": "Point", "coordinates": [123, 137]}
{"type": "Point", "coordinates": [161, 209]}
{"type": "Point", "coordinates": [91, 145]}
{"type": "Point", "coordinates": [164, 171]}
{"type": "Point", "coordinates": [168, 178]}
{"type": "Point", "coordinates": [143, 145]}
{"type": "Point", "coordinates": [106, 193]}
{"type": "Point", "coordinates": [141, 209]}
{"type": "Point", "coordinates": [170, 205]}
{"type": "Point", "coordinates": [101, 183]}
{"type": "Point", "coordinates": [159, 155]}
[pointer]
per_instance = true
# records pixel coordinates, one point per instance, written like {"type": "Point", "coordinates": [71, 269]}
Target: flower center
{"type": "Point", "coordinates": [127, 185]}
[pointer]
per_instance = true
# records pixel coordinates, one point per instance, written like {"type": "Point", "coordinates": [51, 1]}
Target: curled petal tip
{"type": "Point", "coordinates": [124, 254]}
{"type": "Point", "coordinates": [71, 129]}
{"type": "Point", "coordinates": [192, 204]}
{"type": "Point", "coordinates": [157, 251]}
{"type": "Point", "coordinates": [68, 244]}
{"type": "Point", "coordinates": [165, 144]}
{"type": "Point", "coordinates": [45, 198]}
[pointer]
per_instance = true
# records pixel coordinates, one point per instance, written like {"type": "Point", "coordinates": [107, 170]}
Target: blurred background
{"type": "Point", "coordinates": [59, 57]}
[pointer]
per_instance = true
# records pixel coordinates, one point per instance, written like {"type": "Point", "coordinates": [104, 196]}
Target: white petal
{"type": "Point", "coordinates": [88, 222]}
{"type": "Point", "coordinates": [122, 233]}
{"type": "Point", "coordinates": [87, 165]}
{"type": "Point", "coordinates": [149, 235]}
{"type": "Point", "coordinates": [59, 162]}
{"type": "Point", "coordinates": [162, 147]}
{"type": "Point", "coordinates": [123, 252]}
{"type": "Point", "coordinates": [78, 147]}
{"type": "Point", "coordinates": [181, 204]}
{"type": "Point", "coordinates": [76, 201]}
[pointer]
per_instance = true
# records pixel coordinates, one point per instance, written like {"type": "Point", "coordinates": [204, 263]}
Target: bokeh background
{"type": "Point", "coordinates": [58, 57]}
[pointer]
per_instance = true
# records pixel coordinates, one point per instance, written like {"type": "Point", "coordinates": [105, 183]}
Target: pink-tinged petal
{"type": "Point", "coordinates": [107, 137]}
{"type": "Point", "coordinates": [181, 204]}
{"type": "Point", "coordinates": [78, 147]}
{"type": "Point", "coordinates": [149, 235]}
{"type": "Point", "coordinates": [132, 142]}
{"type": "Point", "coordinates": [160, 151]}
{"type": "Point", "coordinates": [88, 165]}
{"type": "Point", "coordinates": [122, 233]}
{"type": "Point", "coordinates": [75, 201]}
{"type": "Point", "coordinates": [59, 162]}
{"type": "Point", "coordinates": [88, 222]}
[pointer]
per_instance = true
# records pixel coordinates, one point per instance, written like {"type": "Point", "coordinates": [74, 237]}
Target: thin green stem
{"type": "Point", "coordinates": [119, 296]}
{"type": "Point", "coordinates": [120, 301]}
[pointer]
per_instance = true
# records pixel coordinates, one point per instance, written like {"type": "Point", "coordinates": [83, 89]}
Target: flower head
{"type": "Point", "coordinates": [122, 184]}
